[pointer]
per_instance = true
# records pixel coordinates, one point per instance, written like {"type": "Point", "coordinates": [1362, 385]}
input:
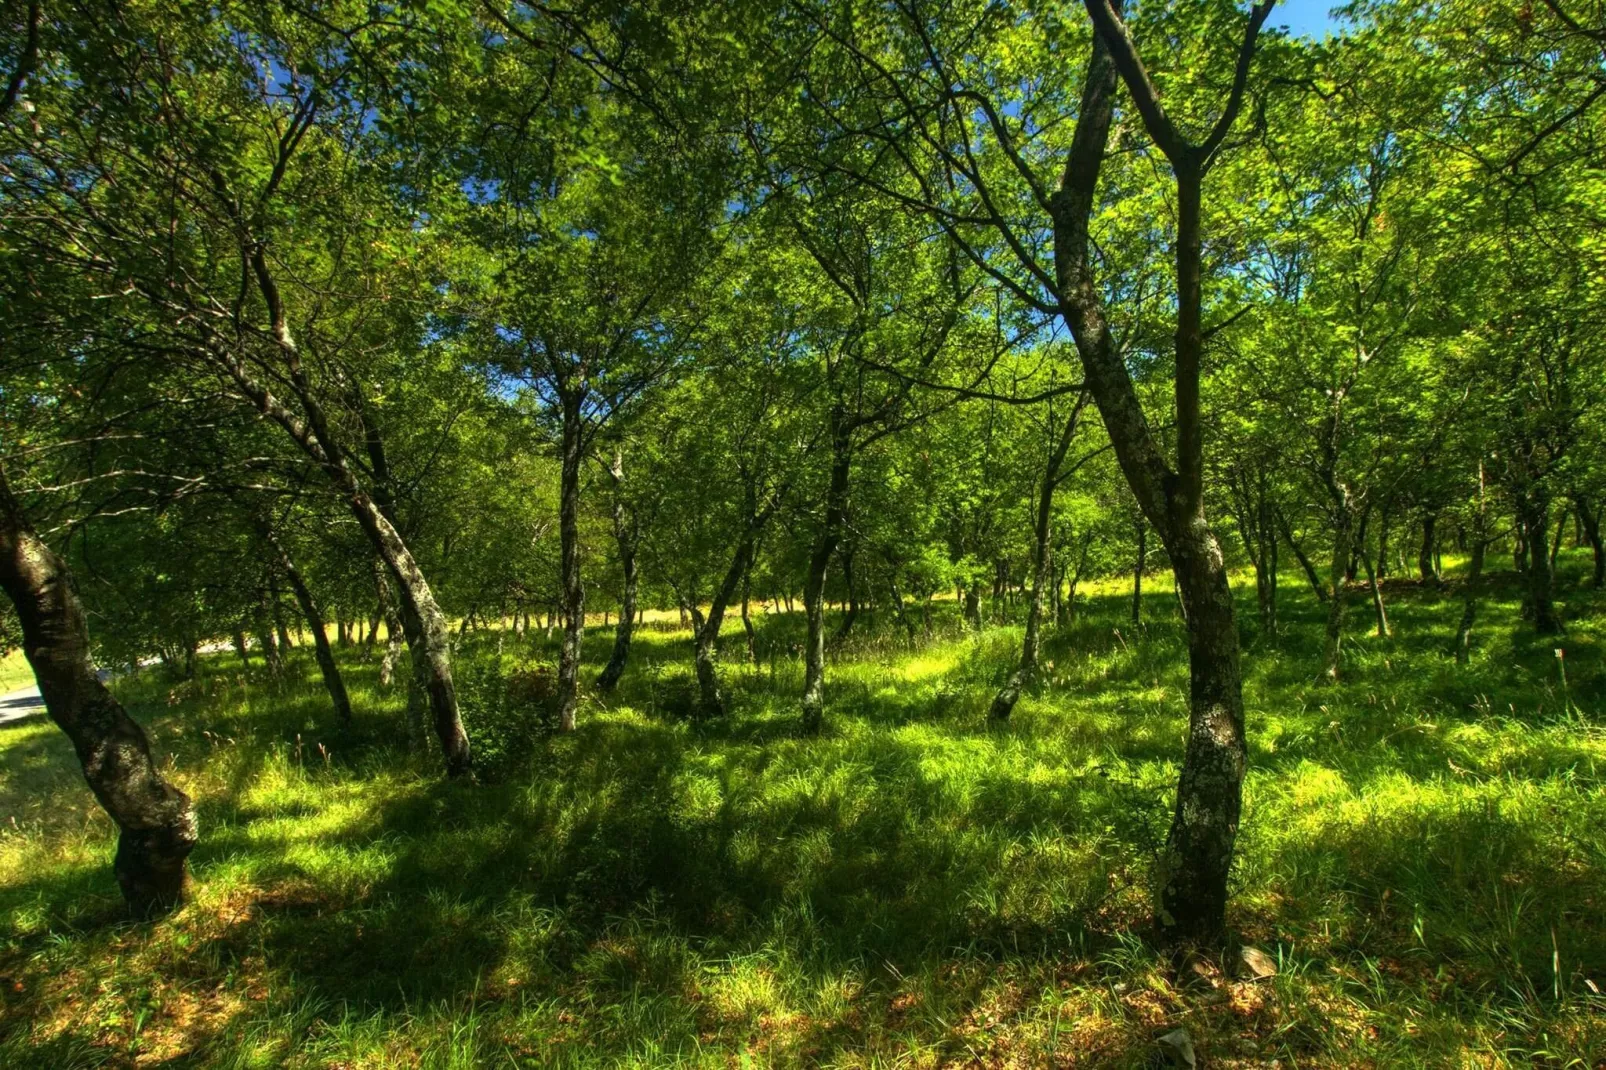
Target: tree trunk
{"type": "Point", "coordinates": [422, 620]}
{"type": "Point", "coordinates": [1266, 564]}
{"type": "Point", "coordinates": [1469, 590]}
{"type": "Point", "coordinates": [1555, 543]}
{"type": "Point", "coordinates": [625, 532]}
{"type": "Point", "coordinates": [851, 613]}
{"type": "Point", "coordinates": [747, 618]}
{"type": "Point", "coordinates": [1377, 596]}
{"type": "Point", "coordinates": [1540, 607]}
{"type": "Point", "coordinates": [1426, 565]}
{"type": "Point", "coordinates": [156, 822]}
{"type": "Point", "coordinates": [332, 681]}
{"type": "Point", "coordinates": [1299, 555]}
{"type": "Point", "coordinates": [1042, 570]}
{"type": "Point", "coordinates": [1139, 563]}
{"type": "Point", "coordinates": [1589, 519]}
{"type": "Point", "coordinates": [1382, 562]}
{"type": "Point", "coordinates": [836, 501]}
{"type": "Point", "coordinates": [276, 609]}
{"type": "Point", "coordinates": [1343, 544]}
{"type": "Point", "coordinates": [573, 590]}
{"type": "Point", "coordinates": [271, 659]}
{"type": "Point", "coordinates": [393, 625]}
{"type": "Point", "coordinates": [973, 606]}
{"type": "Point", "coordinates": [241, 649]}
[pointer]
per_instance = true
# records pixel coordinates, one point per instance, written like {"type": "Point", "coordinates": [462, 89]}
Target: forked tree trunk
{"type": "Point", "coordinates": [332, 681]}
{"type": "Point", "coordinates": [825, 544]}
{"type": "Point", "coordinates": [156, 821]}
{"type": "Point", "coordinates": [1193, 870]}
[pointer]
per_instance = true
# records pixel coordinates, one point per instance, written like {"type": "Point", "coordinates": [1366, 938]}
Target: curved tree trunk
{"type": "Point", "coordinates": [422, 620]}
{"type": "Point", "coordinates": [156, 821]}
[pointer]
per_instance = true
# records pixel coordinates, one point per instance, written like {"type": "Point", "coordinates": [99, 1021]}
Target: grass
{"type": "Point", "coordinates": [15, 672]}
{"type": "Point", "coordinates": [1423, 854]}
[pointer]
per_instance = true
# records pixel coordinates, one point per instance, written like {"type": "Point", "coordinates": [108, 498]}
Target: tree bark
{"type": "Point", "coordinates": [825, 544]}
{"type": "Point", "coordinates": [156, 821]}
{"type": "Point", "coordinates": [332, 680]}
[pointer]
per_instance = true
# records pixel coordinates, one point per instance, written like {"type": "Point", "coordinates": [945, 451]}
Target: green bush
{"type": "Point", "coordinates": [505, 707]}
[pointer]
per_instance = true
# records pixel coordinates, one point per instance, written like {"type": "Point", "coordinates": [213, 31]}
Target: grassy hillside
{"type": "Point", "coordinates": [1423, 854]}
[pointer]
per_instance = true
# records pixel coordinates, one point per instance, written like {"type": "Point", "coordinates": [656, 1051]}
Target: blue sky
{"type": "Point", "coordinates": [1305, 17]}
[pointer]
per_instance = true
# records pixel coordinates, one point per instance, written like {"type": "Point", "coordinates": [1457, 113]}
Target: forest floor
{"type": "Point", "coordinates": [1423, 855]}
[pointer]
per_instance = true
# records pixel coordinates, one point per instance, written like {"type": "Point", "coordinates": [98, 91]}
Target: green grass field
{"type": "Point", "coordinates": [14, 672]}
{"type": "Point", "coordinates": [1424, 854]}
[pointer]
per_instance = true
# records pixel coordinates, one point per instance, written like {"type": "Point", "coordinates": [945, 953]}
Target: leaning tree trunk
{"type": "Point", "coordinates": [573, 590]}
{"type": "Point", "coordinates": [836, 500]}
{"type": "Point", "coordinates": [625, 533]}
{"type": "Point", "coordinates": [332, 681]}
{"type": "Point", "coordinates": [156, 821]}
{"type": "Point", "coordinates": [1311, 575]}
